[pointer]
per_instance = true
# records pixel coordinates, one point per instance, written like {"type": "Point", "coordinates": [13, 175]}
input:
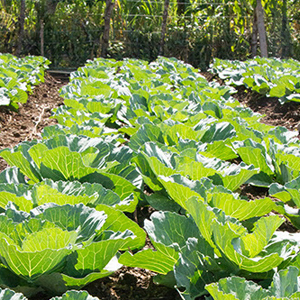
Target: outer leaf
{"type": "Point", "coordinates": [162, 222]}
{"type": "Point", "coordinates": [7, 294]}
{"type": "Point", "coordinates": [127, 192]}
{"type": "Point", "coordinates": [155, 261]}
{"type": "Point", "coordinates": [75, 295]}
{"type": "Point", "coordinates": [95, 256]}
{"type": "Point", "coordinates": [285, 285]}
{"type": "Point", "coordinates": [263, 231]}
{"type": "Point", "coordinates": [181, 189]}
{"type": "Point", "coordinates": [117, 221]}
{"type": "Point", "coordinates": [146, 133]}
{"type": "Point", "coordinates": [290, 191]}
{"type": "Point", "coordinates": [256, 154]}
{"type": "Point", "coordinates": [12, 175]}
{"type": "Point", "coordinates": [31, 265]}
{"type": "Point", "coordinates": [277, 91]}
{"type": "Point", "coordinates": [195, 268]}
{"type": "Point", "coordinates": [21, 202]}
{"type": "Point", "coordinates": [20, 161]}
{"type": "Point", "coordinates": [290, 164]}
{"type": "Point", "coordinates": [62, 164]}
{"type": "Point", "coordinates": [223, 238]}
{"type": "Point", "coordinates": [220, 149]}
{"type": "Point", "coordinates": [192, 169]}
{"type": "Point", "coordinates": [242, 209]}
{"type": "Point", "coordinates": [45, 194]}
{"type": "Point", "coordinates": [60, 283]}
{"type": "Point", "coordinates": [219, 131]}
{"type": "Point", "coordinates": [69, 217]}
{"type": "Point", "coordinates": [234, 176]}
{"type": "Point", "coordinates": [204, 218]}
{"type": "Point", "coordinates": [73, 192]}
{"type": "Point", "coordinates": [236, 288]}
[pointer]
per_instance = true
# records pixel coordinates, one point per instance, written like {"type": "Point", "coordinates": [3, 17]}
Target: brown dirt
{"type": "Point", "coordinates": [128, 283]}
{"type": "Point", "coordinates": [131, 284]}
{"type": "Point", "coordinates": [32, 117]}
{"type": "Point", "coordinates": [253, 192]}
{"type": "Point", "coordinates": [275, 114]}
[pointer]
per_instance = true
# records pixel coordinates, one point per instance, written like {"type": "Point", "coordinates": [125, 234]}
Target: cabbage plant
{"type": "Point", "coordinates": [55, 248]}
{"type": "Point", "coordinates": [272, 77]}
{"type": "Point", "coordinates": [7, 294]}
{"type": "Point", "coordinates": [285, 285]}
{"type": "Point", "coordinates": [18, 76]}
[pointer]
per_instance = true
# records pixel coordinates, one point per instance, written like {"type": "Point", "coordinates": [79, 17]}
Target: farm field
{"type": "Point", "coordinates": [167, 149]}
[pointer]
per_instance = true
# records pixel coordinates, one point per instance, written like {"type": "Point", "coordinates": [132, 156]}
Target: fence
{"type": "Point", "coordinates": [70, 32]}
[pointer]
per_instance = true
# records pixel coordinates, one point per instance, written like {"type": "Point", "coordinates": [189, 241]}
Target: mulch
{"type": "Point", "coordinates": [32, 117]}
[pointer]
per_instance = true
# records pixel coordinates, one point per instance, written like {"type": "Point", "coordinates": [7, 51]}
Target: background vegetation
{"type": "Point", "coordinates": [68, 32]}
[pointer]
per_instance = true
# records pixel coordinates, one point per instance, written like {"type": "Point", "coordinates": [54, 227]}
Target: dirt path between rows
{"type": "Point", "coordinates": [32, 117]}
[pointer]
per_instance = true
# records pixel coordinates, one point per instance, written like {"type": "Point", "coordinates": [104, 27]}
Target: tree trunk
{"type": "Point", "coordinates": [107, 17]}
{"type": "Point", "coordinates": [285, 33]}
{"type": "Point", "coordinates": [51, 6]}
{"type": "Point", "coordinates": [21, 27]}
{"type": "Point", "coordinates": [42, 37]}
{"type": "Point", "coordinates": [164, 27]}
{"type": "Point", "coordinates": [254, 35]}
{"type": "Point", "coordinates": [261, 29]}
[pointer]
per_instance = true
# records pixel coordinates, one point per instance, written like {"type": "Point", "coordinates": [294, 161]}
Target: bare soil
{"type": "Point", "coordinates": [27, 123]}
{"type": "Point", "coordinates": [32, 117]}
{"type": "Point", "coordinates": [275, 114]}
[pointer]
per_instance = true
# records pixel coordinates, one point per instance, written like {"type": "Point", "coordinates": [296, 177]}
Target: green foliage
{"type": "Point", "coordinates": [197, 31]}
{"type": "Point", "coordinates": [270, 77]}
{"type": "Point", "coordinates": [61, 247]}
{"type": "Point", "coordinates": [7, 294]}
{"type": "Point", "coordinates": [18, 76]}
{"type": "Point", "coordinates": [135, 134]}
{"type": "Point", "coordinates": [284, 286]}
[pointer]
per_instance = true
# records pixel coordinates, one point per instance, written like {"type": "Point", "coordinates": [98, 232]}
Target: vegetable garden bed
{"type": "Point", "coordinates": [145, 153]}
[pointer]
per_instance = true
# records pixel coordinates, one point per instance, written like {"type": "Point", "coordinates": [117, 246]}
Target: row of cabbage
{"type": "Point", "coordinates": [18, 77]}
{"type": "Point", "coordinates": [272, 77]}
{"type": "Point", "coordinates": [7, 294]}
{"type": "Point", "coordinates": [136, 134]}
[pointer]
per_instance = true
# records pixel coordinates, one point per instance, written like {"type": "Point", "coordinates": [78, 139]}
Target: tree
{"type": "Point", "coordinates": [21, 27]}
{"type": "Point", "coordinates": [45, 9]}
{"type": "Point", "coordinates": [254, 36]}
{"type": "Point", "coordinates": [285, 32]}
{"type": "Point", "coordinates": [107, 17]}
{"type": "Point", "coordinates": [261, 29]}
{"type": "Point", "coordinates": [164, 27]}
